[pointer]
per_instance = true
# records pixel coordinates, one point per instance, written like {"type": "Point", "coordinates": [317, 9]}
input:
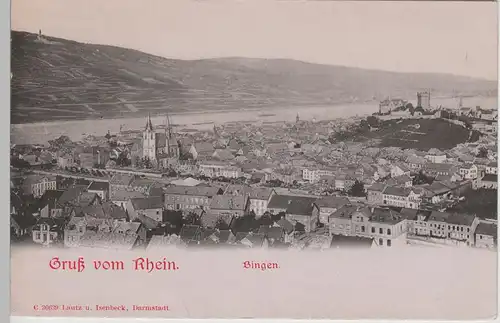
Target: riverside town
{"type": "Point", "coordinates": [419, 169]}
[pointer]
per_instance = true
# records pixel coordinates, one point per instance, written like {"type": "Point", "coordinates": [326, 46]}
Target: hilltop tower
{"type": "Point", "coordinates": [424, 100]}
{"type": "Point", "coordinates": [149, 141]}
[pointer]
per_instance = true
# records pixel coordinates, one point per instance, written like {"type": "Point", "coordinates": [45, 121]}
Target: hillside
{"type": "Point", "coordinates": [420, 134]}
{"type": "Point", "coordinates": [62, 79]}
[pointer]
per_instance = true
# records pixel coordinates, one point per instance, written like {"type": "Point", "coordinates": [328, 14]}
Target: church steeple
{"type": "Point", "coordinates": [149, 124]}
{"type": "Point", "coordinates": [297, 118]}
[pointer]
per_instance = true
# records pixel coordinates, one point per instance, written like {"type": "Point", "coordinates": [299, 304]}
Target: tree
{"type": "Point", "coordinates": [357, 189]}
{"type": "Point", "coordinates": [266, 219]}
{"type": "Point", "coordinates": [220, 224]}
{"type": "Point", "coordinates": [373, 121]}
{"type": "Point", "coordinates": [483, 153]}
{"type": "Point", "coordinates": [421, 178]}
{"type": "Point", "coordinates": [192, 219]}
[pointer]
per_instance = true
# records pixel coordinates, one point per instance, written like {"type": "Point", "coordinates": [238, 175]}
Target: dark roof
{"type": "Point", "coordinates": [383, 215]}
{"type": "Point", "coordinates": [24, 221]}
{"type": "Point", "coordinates": [461, 219]}
{"type": "Point", "coordinates": [298, 205]}
{"type": "Point", "coordinates": [99, 186]}
{"type": "Point", "coordinates": [190, 233]}
{"type": "Point", "coordinates": [439, 216]}
{"type": "Point", "coordinates": [341, 241]}
{"type": "Point", "coordinates": [285, 225]}
{"type": "Point", "coordinates": [275, 233]}
{"type": "Point", "coordinates": [228, 202]}
{"type": "Point", "coordinates": [332, 202]}
{"type": "Point", "coordinates": [489, 229]}
{"type": "Point", "coordinates": [147, 203]}
{"type": "Point", "coordinates": [490, 178]}
{"type": "Point", "coordinates": [147, 222]}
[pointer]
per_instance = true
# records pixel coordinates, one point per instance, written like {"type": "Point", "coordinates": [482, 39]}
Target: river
{"type": "Point", "coordinates": [41, 132]}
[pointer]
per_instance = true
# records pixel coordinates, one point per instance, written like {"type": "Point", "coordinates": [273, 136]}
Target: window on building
{"type": "Point", "coordinates": [373, 230]}
{"type": "Point", "coordinates": [362, 228]}
{"type": "Point", "coordinates": [381, 242]}
{"type": "Point", "coordinates": [389, 243]}
{"type": "Point", "coordinates": [381, 231]}
{"type": "Point", "coordinates": [389, 231]}
{"type": "Point", "coordinates": [37, 235]}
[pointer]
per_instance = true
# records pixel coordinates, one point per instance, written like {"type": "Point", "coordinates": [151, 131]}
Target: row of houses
{"type": "Point", "coordinates": [396, 226]}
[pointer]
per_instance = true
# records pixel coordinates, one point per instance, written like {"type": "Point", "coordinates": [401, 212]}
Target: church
{"type": "Point", "coordinates": [159, 146]}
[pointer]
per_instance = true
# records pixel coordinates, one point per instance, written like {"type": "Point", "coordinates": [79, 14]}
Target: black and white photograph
{"type": "Point", "coordinates": [254, 159]}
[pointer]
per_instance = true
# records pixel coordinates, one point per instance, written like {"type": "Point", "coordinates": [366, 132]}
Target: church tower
{"type": "Point", "coordinates": [149, 141]}
{"type": "Point", "coordinates": [172, 146]}
{"type": "Point", "coordinates": [297, 118]}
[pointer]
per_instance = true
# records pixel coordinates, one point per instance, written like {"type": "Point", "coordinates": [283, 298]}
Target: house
{"type": "Point", "coordinates": [201, 150]}
{"type": "Point", "coordinates": [99, 188]}
{"type": "Point", "coordinates": [329, 205]}
{"type": "Point", "coordinates": [351, 242]}
{"type": "Point", "coordinates": [374, 193]}
{"type": "Point", "coordinates": [219, 169]}
{"type": "Point", "coordinates": [152, 207]}
{"type": "Point", "coordinates": [435, 169]}
{"type": "Point", "coordinates": [189, 197]}
{"type": "Point", "coordinates": [288, 229]}
{"type": "Point", "coordinates": [228, 205]}
{"type": "Point", "coordinates": [272, 233]}
{"type": "Point", "coordinates": [486, 235]}
{"type": "Point", "coordinates": [468, 171]}
{"type": "Point", "coordinates": [36, 185]}
{"type": "Point", "coordinates": [191, 234]}
{"type": "Point", "coordinates": [387, 227]}
{"type": "Point", "coordinates": [252, 240]}
{"type": "Point", "coordinates": [314, 175]}
{"type": "Point", "coordinates": [435, 156]}
{"type": "Point", "coordinates": [492, 168]}
{"type": "Point", "coordinates": [388, 105]}
{"type": "Point", "coordinates": [259, 197]}
{"type": "Point", "coordinates": [340, 221]}
{"type": "Point", "coordinates": [402, 180]}
{"type": "Point", "coordinates": [48, 231]}
{"type": "Point", "coordinates": [297, 209]}
{"type": "Point", "coordinates": [415, 162]}
{"type": "Point", "coordinates": [399, 170]}
{"type": "Point", "coordinates": [461, 227]}
{"type": "Point", "coordinates": [159, 243]}
{"type": "Point", "coordinates": [121, 197]}
{"type": "Point", "coordinates": [104, 234]}
{"type": "Point", "coordinates": [65, 160]}
{"type": "Point", "coordinates": [396, 196]}
{"type": "Point", "coordinates": [21, 225]}
{"type": "Point", "coordinates": [489, 181]}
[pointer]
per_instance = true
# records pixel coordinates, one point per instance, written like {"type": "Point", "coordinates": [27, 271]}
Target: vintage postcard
{"type": "Point", "coordinates": [254, 159]}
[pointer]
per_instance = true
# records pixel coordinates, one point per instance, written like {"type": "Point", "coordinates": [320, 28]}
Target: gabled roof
{"type": "Point", "coordinates": [461, 219]}
{"type": "Point", "coordinates": [99, 186]}
{"type": "Point", "coordinates": [285, 225]}
{"type": "Point", "coordinates": [228, 202]}
{"type": "Point", "coordinates": [489, 229]}
{"type": "Point", "coordinates": [147, 203]}
{"type": "Point", "coordinates": [122, 179]}
{"type": "Point", "coordinates": [383, 215]}
{"type": "Point", "coordinates": [439, 216]}
{"type": "Point", "coordinates": [332, 202]}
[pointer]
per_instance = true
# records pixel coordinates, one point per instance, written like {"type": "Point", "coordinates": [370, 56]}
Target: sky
{"type": "Point", "coordinates": [443, 37]}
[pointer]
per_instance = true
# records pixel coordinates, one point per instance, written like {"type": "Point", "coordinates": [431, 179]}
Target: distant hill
{"type": "Point", "coordinates": [56, 79]}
